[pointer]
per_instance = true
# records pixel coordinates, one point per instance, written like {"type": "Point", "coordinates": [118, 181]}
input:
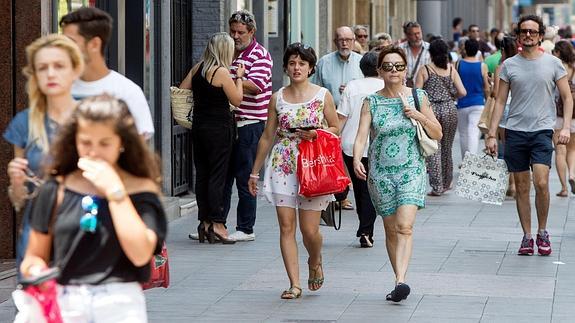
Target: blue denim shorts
{"type": "Point", "coordinates": [523, 149]}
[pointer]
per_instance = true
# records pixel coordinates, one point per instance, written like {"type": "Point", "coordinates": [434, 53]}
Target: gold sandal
{"type": "Point", "coordinates": [317, 279]}
{"type": "Point", "coordinates": [292, 293]}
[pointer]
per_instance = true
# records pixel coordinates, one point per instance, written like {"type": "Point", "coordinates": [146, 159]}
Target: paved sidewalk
{"type": "Point", "coordinates": [464, 269]}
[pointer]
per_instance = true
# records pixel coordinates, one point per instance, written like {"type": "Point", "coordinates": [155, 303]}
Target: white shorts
{"type": "Point", "coordinates": [109, 303]}
{"type": "Point", "coordinates": [559, 124]}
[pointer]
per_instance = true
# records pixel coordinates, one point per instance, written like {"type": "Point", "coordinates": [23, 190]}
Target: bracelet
{"type": "Point", "coordinates": [491, 136]}
{"type": "Point", "coordinates": [255, 176]}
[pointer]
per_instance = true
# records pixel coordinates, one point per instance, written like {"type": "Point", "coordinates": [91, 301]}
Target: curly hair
{"type": "Point", "coordinates": [136, 159]}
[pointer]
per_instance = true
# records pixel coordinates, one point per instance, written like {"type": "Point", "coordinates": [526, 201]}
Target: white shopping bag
{"type": "Point", "coordinates": [29, 310]}
{"type": "Point", "coordinates": [482, 179]}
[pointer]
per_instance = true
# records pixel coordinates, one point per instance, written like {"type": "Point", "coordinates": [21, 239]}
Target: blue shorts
{"type": "Point", "coordinates": [523, 149]}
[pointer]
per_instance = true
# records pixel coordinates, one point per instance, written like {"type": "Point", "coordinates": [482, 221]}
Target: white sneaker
{"type": "Point", "coordinates": [194, 236]}
{"type": "Point", "coordinates": [241, 236]}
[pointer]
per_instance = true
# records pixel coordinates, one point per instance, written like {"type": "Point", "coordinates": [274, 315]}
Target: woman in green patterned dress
{"type": "Point", "coordinates": [397, 175]}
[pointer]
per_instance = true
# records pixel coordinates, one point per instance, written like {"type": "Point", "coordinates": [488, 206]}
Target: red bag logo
{"type": "Point", "coordinates": [320, 169]}
{"type": "Point", "coordinates": [320, 160]}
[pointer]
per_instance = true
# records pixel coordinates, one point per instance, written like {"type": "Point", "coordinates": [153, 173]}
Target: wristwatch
{"type": "Point", "coordinates": [117, 195]}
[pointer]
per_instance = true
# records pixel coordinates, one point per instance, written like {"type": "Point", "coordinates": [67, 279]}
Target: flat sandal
{"type": "Point", "coordinates": [292, 293]}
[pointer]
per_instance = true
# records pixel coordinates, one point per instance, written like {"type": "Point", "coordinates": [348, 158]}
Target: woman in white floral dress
{"type": "Point", "coordinates": [294, 111]}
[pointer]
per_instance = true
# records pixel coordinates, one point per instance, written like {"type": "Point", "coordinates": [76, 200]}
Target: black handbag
{"type": "Point", "coordinates": [328, 215]}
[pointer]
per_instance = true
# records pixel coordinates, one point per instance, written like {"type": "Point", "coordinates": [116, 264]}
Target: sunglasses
{"type": "Point", "coordinates": [530, 31]}
{"type": "Point", "coordinates": [299, 45]}
{"type": "Point", "coordinates": [388, 67]}
{"type": "Point", "coordinates": [360, 36]}
{"type": "Point", "coordinates": [89, 221]}
{"type": "Point", "coordinates": [242, 17]}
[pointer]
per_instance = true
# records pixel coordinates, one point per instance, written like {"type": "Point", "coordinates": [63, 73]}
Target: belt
{"type": "Point", "coordinates": [244, 122]}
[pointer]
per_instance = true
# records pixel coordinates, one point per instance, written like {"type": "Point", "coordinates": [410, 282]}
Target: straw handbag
{"type": "Point", "coordinates": [182, 106]}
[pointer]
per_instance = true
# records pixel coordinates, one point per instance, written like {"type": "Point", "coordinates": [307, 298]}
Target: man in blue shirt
{"type": "Point", "coordinates": [335, 69]}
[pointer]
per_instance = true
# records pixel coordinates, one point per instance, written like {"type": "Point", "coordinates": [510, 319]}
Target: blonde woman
{"type": "Point", "coordinates": [213, 132]}
{"type": "Point", "coordinates": [53, 63]}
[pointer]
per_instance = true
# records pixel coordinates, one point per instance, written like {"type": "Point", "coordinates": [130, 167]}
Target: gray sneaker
{"type": "Point", "coordinates": [242, 236]}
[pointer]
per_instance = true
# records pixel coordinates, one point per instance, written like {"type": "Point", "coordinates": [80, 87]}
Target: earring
{"type": "Point", "coordinates": [122, 149]}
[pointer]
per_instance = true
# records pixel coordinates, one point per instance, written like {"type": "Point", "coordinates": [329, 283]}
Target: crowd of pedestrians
{"type": "Point", "coordinates": [91, 162]}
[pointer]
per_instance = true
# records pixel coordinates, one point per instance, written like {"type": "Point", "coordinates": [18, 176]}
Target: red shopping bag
{"type": "Point", "coordinates": [160, 276]}
{"type": "Point", "coordinates": [320, 169]}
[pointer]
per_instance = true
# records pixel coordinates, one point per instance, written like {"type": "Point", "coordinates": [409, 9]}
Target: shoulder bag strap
{"type": "Point", "coordinates": [417, 62]}
{"type": "Point", "coordinates": [415, 98]}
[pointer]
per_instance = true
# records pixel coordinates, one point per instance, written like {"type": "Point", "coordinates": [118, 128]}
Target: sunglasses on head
{"type": "Point", "coordinates": [388, 67]}
{"type": "Point", "coordinates": [243, 17]}
{"type": "Point", "coordinates": [89, 221]}
{"type": "Point", "coordinates": [300, 45]}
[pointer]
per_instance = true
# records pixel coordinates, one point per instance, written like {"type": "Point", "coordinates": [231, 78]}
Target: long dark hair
{"type": "Point", "coordinates": [136, 158]}
{"type": "Point", "coordinates": [565, 51]}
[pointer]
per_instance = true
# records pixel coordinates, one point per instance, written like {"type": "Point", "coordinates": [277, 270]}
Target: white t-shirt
{"type": "Point", "coordinates": [123, 88]}
{"type": "Point", "coordinates": [350, 107]}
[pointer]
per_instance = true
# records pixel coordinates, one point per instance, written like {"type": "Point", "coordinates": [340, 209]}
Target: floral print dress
{"type": "Point", "coordinates": [280, 180]}
{"type": "Point", "coordinates": [397, 173]}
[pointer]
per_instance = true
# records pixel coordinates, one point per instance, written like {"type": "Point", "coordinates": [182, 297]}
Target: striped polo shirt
{"type": "Point", "coordinates": [258, 64]}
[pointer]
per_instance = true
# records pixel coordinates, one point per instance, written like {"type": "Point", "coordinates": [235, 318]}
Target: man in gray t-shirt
{"type": "Point", "coordinates": [532, 77]}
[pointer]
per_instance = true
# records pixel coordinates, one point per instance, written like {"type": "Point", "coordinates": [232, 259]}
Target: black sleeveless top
{"type": "Point", "coordinates": [211, 105]}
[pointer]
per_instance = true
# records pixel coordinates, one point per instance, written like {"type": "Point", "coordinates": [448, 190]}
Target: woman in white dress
{"type": "Point", "coordinates": [294, 111]}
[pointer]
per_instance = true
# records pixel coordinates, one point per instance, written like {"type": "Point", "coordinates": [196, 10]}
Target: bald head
{"type": "Point", "coordinates": [344, 40]}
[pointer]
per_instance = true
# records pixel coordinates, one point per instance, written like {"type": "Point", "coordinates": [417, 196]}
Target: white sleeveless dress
{"type": "Point", "coordinates": [280, 180]}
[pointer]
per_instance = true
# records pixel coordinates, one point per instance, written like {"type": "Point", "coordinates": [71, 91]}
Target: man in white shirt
{"type": "Point", "coordinates": [349, 112]}
{"type": "Point", "coordinates": [91, 29]}
{"type": "Point", "coordinates": [416, 50]}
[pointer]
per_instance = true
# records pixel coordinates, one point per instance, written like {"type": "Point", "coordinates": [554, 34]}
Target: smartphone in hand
{"type": "Point", "coordinates": [302, 128]}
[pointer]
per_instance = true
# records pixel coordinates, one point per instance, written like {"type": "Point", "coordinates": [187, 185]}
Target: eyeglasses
{"type": "Point", "coordinates": [388, 67]}
{"type": "Point", "coordinates": [530, 31]}
{"type": "Point", "coordinates": [89, 221]}
{"type": "Point", "coordinates": [344, 40]}
{"type": "Point", "coordinates": [360, 36]}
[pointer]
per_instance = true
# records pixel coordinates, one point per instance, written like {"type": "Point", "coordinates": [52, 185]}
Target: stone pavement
{"type": "Point", "coordinates": [464, 269]}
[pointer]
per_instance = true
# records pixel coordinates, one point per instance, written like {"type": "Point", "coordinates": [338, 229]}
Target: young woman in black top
{"type": "Point", "coordinates": [99, 217]}
{"type": "Point", "coordinates": [213, 131]}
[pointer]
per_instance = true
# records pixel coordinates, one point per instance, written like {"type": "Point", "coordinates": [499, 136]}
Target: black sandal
{"type": "Point", "coordinates": [400, 293]}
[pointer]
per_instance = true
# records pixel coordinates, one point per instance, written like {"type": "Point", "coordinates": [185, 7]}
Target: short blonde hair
{"type": "Point", "coordinates": [37, 99]}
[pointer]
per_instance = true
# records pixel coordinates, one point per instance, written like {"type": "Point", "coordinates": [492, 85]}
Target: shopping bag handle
{"type": "Point", "coordinates": [487, 154]}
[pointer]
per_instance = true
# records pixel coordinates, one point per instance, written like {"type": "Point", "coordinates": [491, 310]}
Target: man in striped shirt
{"type": "Point", "coordinates": [250, 117]}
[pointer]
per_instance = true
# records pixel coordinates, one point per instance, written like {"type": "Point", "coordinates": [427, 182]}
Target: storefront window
{"type": "Point", "coordinates": [63, 7]}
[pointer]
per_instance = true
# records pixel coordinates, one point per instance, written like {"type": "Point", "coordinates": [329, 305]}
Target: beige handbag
{"type": "Point", "coordinates": [182, 106]}
{"type": "Point", "coordinates": [427, 146]}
